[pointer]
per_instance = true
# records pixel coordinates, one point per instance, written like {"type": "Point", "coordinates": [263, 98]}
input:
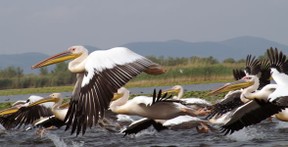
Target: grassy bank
{"type": "Point", "coordinates": [134, 83]}
{"type": "Point", "coordinates": [35, 90]}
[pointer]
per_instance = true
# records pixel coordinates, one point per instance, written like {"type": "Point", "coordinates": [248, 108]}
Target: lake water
{"type": "Point", "coordinates": [263, 134]}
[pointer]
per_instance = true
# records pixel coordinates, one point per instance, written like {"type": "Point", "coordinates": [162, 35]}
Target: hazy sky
{"type": "Point", "coordinates": [51, 26]}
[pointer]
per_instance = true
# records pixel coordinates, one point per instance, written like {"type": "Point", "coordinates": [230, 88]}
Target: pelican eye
{"type": "Point", "coordinates": [28, 101]}
{"type": "Point", "coordinates": [73, 49]}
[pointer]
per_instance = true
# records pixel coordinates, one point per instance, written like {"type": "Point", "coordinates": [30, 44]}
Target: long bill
{"type": "Point", "coordinates": [44, 100]}
{"type": "Point", "coordinates": [67, 55]}
{"type": "Point", "coordinates": [9, 111]}
{"type": "Point", "coordinates": [232, 86]}
{"type": "Point", "coordinates": [171, 91]}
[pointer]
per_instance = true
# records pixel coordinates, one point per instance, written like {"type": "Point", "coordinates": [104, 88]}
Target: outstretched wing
{"type": "Point", "coordinates": [106, 71]}
{"type": "Point", "coordinates": [251, 113]}
{"type": "Point", "coordinates": [142, 124]}
{"type": "Point", "coordinates": [238, 74]}
{"type": "Point", "coordinates": [252, 65]}
{"type": "Point", "coordinates": [231, 102]}
{"type": "Point", "coordinates": [25, 116]}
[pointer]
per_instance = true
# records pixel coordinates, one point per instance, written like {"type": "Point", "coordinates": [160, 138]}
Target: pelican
{"type": "Point", "coordinates": [20, 114]}
{"type": "Point", "coordinates": [160, 114]}
{"type": "Point", "coordinates": [270, 100]}
{"type": "Point", "coordinates": [99, 75]}
{"type": "Point", "coordinates": [58, 110]}
{"type": "Point", "coordinates": [145, 107]}
{"type": "Point", "coordinates": [177, 123]}
{"type": "Point", "coordinates": [256, 74]}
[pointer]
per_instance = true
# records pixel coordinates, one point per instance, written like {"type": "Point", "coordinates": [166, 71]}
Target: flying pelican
{"type": "Point", "coordinates": [256, 74]}
{"type": "Point", "coordinates": [19, 114]}
{"type": "Point", "coordinates": [271, 99]}
{"type": "Point", "coordinates": [58, 110]}
{"type": "Point", "coordinates": [99, 75]}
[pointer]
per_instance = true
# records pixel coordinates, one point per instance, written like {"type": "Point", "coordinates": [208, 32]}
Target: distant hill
{"type": "Point", "coordinates": [236, 48]}
{"type": "Point", "coordinates": [25, 61]}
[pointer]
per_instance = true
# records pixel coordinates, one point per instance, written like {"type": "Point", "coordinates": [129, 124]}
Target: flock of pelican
{"type": "Point", "coordinates": [99, 96]}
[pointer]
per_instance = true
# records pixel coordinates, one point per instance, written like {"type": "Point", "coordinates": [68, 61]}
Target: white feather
{"type": "Point", "coordinates": [107, 59]}
{"type": "Point", "coordinates": [180, 119]}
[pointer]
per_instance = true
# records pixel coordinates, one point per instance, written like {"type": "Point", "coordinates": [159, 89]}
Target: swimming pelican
{"type": "Point", "coordinates": [162, 114]}
{"type": "Point", "coordinates": [99, 75]}
{"type": "Point", "coordinates": [179, 91]}
{"type": "Point", "coordinates": [177, 123]}
{"type": "Point", "coordinates": [149, 107]}
{"type": "Point", "coordinates": [265, 102]}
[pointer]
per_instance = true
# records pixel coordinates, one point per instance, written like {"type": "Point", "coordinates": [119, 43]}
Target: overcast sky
{"type": "Point", "coordinates": [53, 26]}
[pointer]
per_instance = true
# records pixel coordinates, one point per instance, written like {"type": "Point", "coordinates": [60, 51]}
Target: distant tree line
{"type": "Point", "coordinates": [13, 77]}
{"type": "Point", "coordinates": [170, 61]}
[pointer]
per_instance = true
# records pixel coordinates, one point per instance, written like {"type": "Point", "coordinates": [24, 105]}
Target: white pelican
{"type": "Point", "coordinates": [153, 109]}
{"type": "Point", "coordinates": [260, 108]}
{"type": "Point", "coordinates": [99, 75]}
{"type": "Point", "coordinates": [147, 106]}
{"type": "Point", "coordinates": [177, 123]}
{"type": "Point", "coordinates": [256, 74]}
{"type": "Point", "coordinates": [18, 115]}
{"type": "Point", "coordinates": [59, 111]}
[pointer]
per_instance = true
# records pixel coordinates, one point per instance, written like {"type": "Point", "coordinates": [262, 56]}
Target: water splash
{"type": "Point", "coordinates": [247, 134]}
{"type": "Point", "coordinates": [58, 142]}
{"type": "Point", "coordinates": [281, 125]}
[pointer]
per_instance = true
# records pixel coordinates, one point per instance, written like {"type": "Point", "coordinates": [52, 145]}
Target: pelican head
{"type": "Point", "coordinates": [72, 53]}
{"type": "Point", "coordinates": [174, 90]}
{"type": "Point", "coordinates": [54, 97]}
{"type": "Point", "coordinates": [246, 81]}
{"type": "Point", "coordinates": [120, 93]}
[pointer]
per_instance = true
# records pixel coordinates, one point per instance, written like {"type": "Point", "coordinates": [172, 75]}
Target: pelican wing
{"type": "Point", "coordinates": [142, 124]}
{"type": "Point", "coordinates": [231, 102]}
{"type": "Point", "coordinates": [265, 73]}
{"type": "Point", "coordinates": [106, 71]}
{"type": "Point", "coordinates": [25, 116]}
{"type": "Point", "coordinates": [163, 98]}
{"type": "Point", "coordinates": [252, 65]}
{"type": "Point", "coordinates": [238, 74]}
{"type": "Point", "coordinates": [278, 60]}
{"type": "Point", "coordinates": [281, 101]}
{"type": "Point", "coordinates": [251, 113]}
{"type": "Point", "coordinates": [8, 122]}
